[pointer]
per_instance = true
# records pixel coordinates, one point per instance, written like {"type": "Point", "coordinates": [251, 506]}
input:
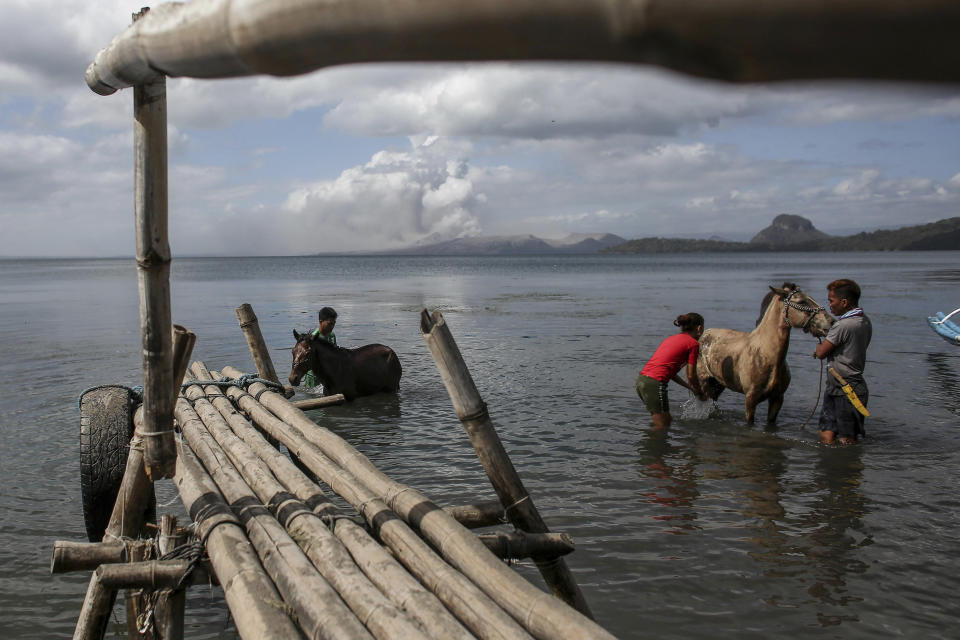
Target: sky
{"type": "Point", "coordinates": [374, 157]}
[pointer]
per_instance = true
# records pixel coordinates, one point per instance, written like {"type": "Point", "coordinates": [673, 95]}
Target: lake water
{"type": "Point", "coordinates": [712, 529]}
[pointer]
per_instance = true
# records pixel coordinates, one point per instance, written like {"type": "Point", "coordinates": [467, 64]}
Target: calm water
{"type": "Point", "coordinates": [713, 529]}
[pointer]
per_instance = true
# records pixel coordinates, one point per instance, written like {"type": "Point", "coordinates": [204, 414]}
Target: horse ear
{"type": "Point", "coordinates": [296, 335]}
{"type": "Point", "coordinates": [779, 292]}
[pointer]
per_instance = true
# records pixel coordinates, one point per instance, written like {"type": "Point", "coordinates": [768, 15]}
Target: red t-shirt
{"type": "Point", "coordinates": [670, 356]}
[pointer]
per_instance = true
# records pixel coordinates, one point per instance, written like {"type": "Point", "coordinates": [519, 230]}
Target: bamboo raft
{"type": "Point", "coordinates": [289, 562]}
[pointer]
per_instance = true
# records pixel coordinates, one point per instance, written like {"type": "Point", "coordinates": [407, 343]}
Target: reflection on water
{"type": "Point", "coordinates": [674, 487]}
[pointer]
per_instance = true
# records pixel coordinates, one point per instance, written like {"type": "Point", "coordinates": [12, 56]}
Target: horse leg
{"type": "Point", "coordinates": [774, 404]}
{"type": "Point", "coordinates": [752, 400]}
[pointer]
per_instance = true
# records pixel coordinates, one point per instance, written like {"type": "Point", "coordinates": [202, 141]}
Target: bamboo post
{"type": "Point", "coordinates": [258, 347]}
{"type": "Point", "coordinates": [517, 544]}
{"type": "Point", "coordinates": [153, 275]}
{"type": "Point", "coordinates": [545, 617]}
{"type": "Point", "coordinates": [95, 612]}
{"type": "Point", "coordinates": [472, 412]}
{"type": "Point", "coordinates": [169, 610]}
{"type": "Point", "coordinates": [380, 567]}
{"type": "Point", "coordinates": [256, 606]}
{"type": "Point", "coordinates": [477, 610]}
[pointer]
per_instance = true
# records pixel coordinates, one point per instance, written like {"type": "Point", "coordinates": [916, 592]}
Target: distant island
{"type": "Point", "coordinates": [786, 233]}
{"type": "Point", "coordinates": [574, 243]}
{"type": "Point", "coordinates": [796, 233]}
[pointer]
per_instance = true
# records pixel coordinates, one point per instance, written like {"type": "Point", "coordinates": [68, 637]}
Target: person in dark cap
{"type": "Point", "coordinates": [327, 321]}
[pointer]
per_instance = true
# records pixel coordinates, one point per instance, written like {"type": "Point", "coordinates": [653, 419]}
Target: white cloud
{"type": "Point", "coordinates": [394, 200]}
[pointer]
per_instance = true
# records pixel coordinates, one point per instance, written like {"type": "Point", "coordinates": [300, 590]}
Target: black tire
{"type": "Point", "coordinates": [106, 426]}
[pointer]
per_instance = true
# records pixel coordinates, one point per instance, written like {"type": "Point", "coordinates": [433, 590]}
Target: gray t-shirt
{"type": "Point", "coordinates": [850, 338]}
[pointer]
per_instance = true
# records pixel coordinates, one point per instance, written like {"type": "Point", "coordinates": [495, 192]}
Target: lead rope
{"type": "Point", "coordinates": [819, 391]}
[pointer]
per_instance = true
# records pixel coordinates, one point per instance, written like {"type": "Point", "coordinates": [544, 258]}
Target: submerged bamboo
{"type": "Point", "coordinates": [543, 615]}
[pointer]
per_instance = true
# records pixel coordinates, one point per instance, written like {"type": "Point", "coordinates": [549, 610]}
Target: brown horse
{"type": "Point", "coordinates": [353, 372]}
{"type": "Point", "coordinates": [755, 363]}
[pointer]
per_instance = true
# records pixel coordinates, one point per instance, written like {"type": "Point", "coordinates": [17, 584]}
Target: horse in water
{"type": "Point", "coordinates": [353, 372]}
{"type": "Point", "coordinates": [755, 363]}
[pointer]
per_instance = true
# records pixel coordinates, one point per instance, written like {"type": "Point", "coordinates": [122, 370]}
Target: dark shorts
{"type": "Point", "coordinates": [654, 394]}
{"type": "Point", "coordinates": [839, 415]}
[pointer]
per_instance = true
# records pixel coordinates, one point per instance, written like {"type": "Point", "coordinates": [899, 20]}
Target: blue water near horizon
{"type": "Point", "coordinates": [713, 528]}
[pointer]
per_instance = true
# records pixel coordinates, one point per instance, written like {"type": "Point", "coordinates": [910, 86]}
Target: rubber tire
{"type": "Point", "coordinates": [106, 426]}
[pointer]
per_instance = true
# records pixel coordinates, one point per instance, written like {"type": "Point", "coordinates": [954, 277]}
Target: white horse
{"type": "Point", "coordinates": [755, 363]}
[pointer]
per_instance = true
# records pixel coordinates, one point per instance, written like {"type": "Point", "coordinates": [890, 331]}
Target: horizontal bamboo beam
{"type": "Point", "coordinates": [481, 514]}
{"type": "Point", "coordinates": [517, 544]}
{"type": "Point", "coordinates": [150, 574]}
{"type": "Point", "coordinates": [732, 40]}
{"type": "Point", "coordinates": [317, 403]}
{"type": "Point", "coordinates": [78, 556]}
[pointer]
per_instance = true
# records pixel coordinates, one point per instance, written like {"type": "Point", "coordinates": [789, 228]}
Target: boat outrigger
{"type": "Point", "coordinates": [945, 327]}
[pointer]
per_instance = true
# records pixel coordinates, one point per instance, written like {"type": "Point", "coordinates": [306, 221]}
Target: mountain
{"type": "Point", "coordinates": [787, 231]}
{"type": "Point", "coordinates": [514, 245]}
{"type": "Point", "coordinates": [796, 233]}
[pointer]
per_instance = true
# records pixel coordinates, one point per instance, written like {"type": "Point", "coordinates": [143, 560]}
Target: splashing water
{"type": "Point", "coordinates": [694, 409]}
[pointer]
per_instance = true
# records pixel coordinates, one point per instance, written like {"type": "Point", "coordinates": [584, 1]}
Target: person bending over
{"type": "Point", "coordinates": [665, 365]}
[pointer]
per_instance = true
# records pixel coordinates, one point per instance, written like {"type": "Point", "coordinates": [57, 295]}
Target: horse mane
{"type": "Point", "coordinates": [789, 286]}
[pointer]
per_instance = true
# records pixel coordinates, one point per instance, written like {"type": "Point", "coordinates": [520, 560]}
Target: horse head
{"type": "Point", "coordinates": [803, 312]}
{"type": "Point", "coordinates": [302, 355]}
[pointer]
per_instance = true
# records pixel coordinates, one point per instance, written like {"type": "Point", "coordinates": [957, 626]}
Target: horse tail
{"type": "Point", "coordinates": [393, 365]}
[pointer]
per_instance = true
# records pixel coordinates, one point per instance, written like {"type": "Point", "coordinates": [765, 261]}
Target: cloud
{"type": "Point", "coordinates": [394, 200]}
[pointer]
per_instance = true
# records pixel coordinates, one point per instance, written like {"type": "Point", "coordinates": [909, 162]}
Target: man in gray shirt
{"type": "Point", "coordinates": [845, 348]}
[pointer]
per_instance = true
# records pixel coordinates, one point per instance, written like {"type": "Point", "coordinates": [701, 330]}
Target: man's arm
{"type": "Point", "coordinates": [823, 349]}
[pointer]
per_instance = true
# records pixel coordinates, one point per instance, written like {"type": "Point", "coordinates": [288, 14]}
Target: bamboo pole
{"type": "Point", "coordinates": [475, 609]}
{"type": "Point", "coordinates": [542, 615]}
{"type": "Point", "coordinates": [379, 566]}
{"type": "Point", "coordinates": [478, 515]}
{"type": "Point", "coordinates": [734, 40]}
{"type": "Point", "coordinates": [94, 616]}
{"type": "Point", "coordinates": [149, 574]}
{"type": "Point", "coordinates": [329, 556]}
{"type": "Point", "coordinates": [171, 602]}
{"type": "Point", "coordinates": [472, 412]}
{"type": "Point", "coordinates": [258, 347]}
{"type": "Point", "coordinates": [317, 403]}
{"type": "Point", "coordinates": [318, 607]}
{"type": "Point", "coordinates": [257, 608]}
{"type": "Point", "coordinates": [153, 275]}
{"type": "Point", "coordinates": [87, 556]}
{"type": "Point", "coordinates": [518, 544]}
